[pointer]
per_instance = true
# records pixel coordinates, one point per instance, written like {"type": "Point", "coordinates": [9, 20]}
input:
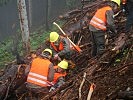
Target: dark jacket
{"type": "Point", "coordinates": [66, 47]}
{"type": "Point", "coordinates": [129, 5]}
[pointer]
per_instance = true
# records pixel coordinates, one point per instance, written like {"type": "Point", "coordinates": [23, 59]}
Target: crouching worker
{"type": "Point", "coordinates": [61, 46]}
{"type": "Point", "coordinates": [41, 74]}
{"type": "Point", "coordinates": [59, 75]}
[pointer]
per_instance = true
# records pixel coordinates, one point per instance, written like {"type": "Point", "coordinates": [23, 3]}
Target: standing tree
{"type": "Point", "coordinates": [30, 12]}
{"type": "Point", "coordinates": [3, 2]}
{"type": "Point", "coordinates": [24, 25]}
{"type": "Point", "coordinates": [47, 14]}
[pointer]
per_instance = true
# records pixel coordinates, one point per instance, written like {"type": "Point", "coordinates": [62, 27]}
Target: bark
{"type": "Point", "coordinates": [24, 25]}
{"type": "Point", "coordinates": [30, 12]}
{"type": "Point", "coordinates": [127, 95]}
{"type": "Point", "coordinates": [47, 14]}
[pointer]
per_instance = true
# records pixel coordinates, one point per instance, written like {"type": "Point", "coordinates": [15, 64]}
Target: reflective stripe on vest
{"type": "Point", "coordinates": [99, 19]}
{"type": "Point", "coordinates": [39, 79]}
{"type": "Point", "coordinates": [57, 48]}
{"type": "Point", "coordinates": [39, 72]}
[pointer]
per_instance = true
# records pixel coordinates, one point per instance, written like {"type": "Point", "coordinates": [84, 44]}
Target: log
{"type": "Point", "coordinates": [126, 95]}
{"type": "Point", "coordinates": [11, 80]}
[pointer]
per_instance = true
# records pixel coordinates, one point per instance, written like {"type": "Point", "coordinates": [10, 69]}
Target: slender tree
{"type": "Point", "coordinates": [4, 2]}
{"type": "Point", "coordinates": [47, 14]}
{"type": "Point", "coordinates": [24, 25]}
{"type": "Point", "coordinates": [30, 12]}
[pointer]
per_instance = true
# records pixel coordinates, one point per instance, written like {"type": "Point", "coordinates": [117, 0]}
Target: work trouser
{"type": "Point", "coordinates": [129, 22]}
{"type": "Point", "coordinates": [98, 42]}
{"type": "Point", "coordinates": [36, 91]}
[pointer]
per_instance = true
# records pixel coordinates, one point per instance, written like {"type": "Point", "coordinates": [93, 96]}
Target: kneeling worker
{"type": "Point", "coordinates": [59, 75]}
{"type": "Point", "coordinates": [60, 45]}
{"type": "Point", "coordinates": [41, 73]}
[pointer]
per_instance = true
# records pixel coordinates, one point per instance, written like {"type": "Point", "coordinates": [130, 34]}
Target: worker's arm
{"type": "Point", "coordinates": [53, 50]}
{"type": "Point", "coordinates": [60, 82]}
{"type": "Point", "coordinates": [27, 70]}
{"type": "Point", "coordinates": [110, 21]}
{"type": "Point", "coordinates": [66, 45]}
{"type": "Point", "coordinates": [50, 73]}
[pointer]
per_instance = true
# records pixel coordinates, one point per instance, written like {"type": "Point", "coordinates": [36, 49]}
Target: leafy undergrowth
{"type": "Point", "coordinates": [37, 38]}
{"type": "Point", "coordinates": [7, 46]}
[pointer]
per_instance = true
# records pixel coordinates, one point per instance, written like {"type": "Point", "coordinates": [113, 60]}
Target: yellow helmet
{"type": "Point", "coordinates": [54, 36]}
{"type": "Point", "coordinates": [63, 64]}
{"type": "Point", "coordinates": [117, 2]}
{"type": "Point", "coordinates": [47, 50]}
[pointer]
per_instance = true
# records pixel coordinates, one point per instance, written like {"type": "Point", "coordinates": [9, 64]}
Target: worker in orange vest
{"type": "Point", "coordinates": [127, 7]}
{"type": "Point", "coordinates": [59, 75]}
{"type": "Point", "coordinates": [41, 73]}
{"type": "Point", "coordinates": [60, 46]}
{"type": "Point", "coordinates": [100, 23]}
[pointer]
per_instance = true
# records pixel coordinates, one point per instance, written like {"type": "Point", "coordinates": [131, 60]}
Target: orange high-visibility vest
{"type": "Point", "coordinates": [57, 75]}
{"type": "Point", "coordinates": [99, 19]}
{"type": "Point", "coordinates": [39, 72]}
{"type": "Point", "coordinates": [59, 48]}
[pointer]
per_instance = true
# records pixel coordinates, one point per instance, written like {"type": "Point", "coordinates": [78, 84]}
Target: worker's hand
{"type": "Point", "coordinates": [56, 56]}
{"type": "Point", "coordinates": [123, 10]}
{"type": "Point", "coordinates": [52, 89]}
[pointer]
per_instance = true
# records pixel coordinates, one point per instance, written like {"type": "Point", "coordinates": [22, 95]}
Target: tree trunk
{"type": "Point", "coordinates": [30, 13]}
{"type": "Point", "coordinates": [47, 15]}
{"type": "Point", "coordinates": [24, 25]}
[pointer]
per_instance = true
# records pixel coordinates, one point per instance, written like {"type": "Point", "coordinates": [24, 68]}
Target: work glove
{"type": "Point", "coordinates": [52, 89]}
{"type": "Point", "coordinates": [56, 56]}
{"type": "Point", "coordinates": [124, 9]}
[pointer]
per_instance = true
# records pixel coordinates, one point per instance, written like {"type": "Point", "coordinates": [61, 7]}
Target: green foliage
{"type": "Point", "coordinates": [125, 52]}
{"type": "Point", "coordinates": [5, 52]}
{"type": "Point", "coordinates": [8, 47]}
{"type": "Point", "coordinates": [37, 39]}
{"type": "Point", "coordinates": [117, 60]}
{"type": "Point", "coordinates": [2, 2]}
{"type": "Point", "coordinates": [122, 54]}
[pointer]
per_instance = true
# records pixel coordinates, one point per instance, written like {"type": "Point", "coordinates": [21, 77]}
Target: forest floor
{"type": "Point", "coordinates": [109, 80]}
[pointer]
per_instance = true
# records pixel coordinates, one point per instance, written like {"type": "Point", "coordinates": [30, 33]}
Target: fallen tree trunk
{"type": "Point", "coordinates": [126, 95]}
{"type": "Point", "coordinates": [11, 80]}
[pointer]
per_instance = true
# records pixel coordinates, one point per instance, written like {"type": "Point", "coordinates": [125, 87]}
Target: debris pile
{"type": "Point", "coordinates": [89, 78]}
